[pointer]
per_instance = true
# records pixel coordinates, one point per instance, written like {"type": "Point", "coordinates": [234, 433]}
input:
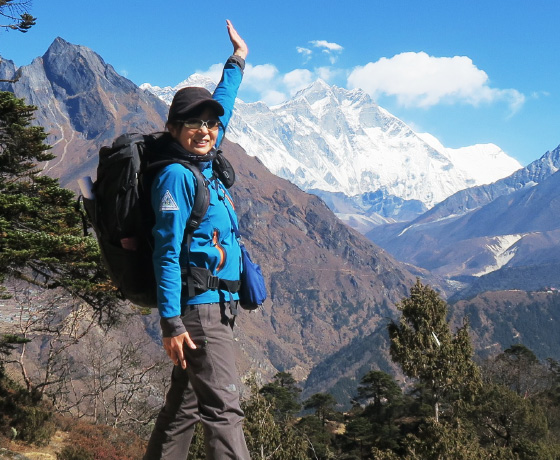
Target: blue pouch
{"type": "Point", "coordinates": [252, 293]}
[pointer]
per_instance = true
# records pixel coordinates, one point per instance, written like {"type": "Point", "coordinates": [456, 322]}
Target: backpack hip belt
{"type": "Point", "coordinates": [199, 280]}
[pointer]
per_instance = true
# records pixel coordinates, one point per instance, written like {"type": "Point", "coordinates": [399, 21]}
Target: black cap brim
{"type": "Point", "coordinates": [191, 99]}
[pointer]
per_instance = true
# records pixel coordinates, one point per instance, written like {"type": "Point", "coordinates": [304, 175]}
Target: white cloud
{"type": "Point", "coordinates": [274, 87]}
{"type": "Point", "coordinates": [420, 80]}
{"type": "Point", "coordinates": [330, 49]}
{"type": "Point", "coordinates": [305, 52]}
{"type": "Point", "coordinates": [273, 97]}
{"type": "Point", "coordinates": [263, 81]}
{"type": "Point", "coordinates": [266, 81]}
{"type": "Point", "coordinates": [329, 74]}
{"type": "Point", "coordinates": [297, 80]}
{"type": "Point", "coordinates": [333, 47]}
{"type": "Point", "coordinates": [414, 79]}
{"type": "Point", "coordinates": [539, 94]}
{"type": "Point", "coordinates": [214, 73]}
{"type": "Point", "coordinates": [260, 76]}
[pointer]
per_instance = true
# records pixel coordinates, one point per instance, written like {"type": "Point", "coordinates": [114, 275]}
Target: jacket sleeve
{"type": "Point", "coordinates": [226, 91]}
{"type": "Point", "coordinates": [173, 193]}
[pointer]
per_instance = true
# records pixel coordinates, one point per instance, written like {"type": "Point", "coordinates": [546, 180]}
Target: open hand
{"type": "Point", "coordinates": [239, 46]}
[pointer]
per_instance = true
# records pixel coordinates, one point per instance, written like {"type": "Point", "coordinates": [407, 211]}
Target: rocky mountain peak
{"type": "Point", "coordinates": [80, 98]}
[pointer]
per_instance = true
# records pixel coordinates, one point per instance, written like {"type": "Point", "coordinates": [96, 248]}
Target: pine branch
{"type": "Point", "coordinates": [16, 77]}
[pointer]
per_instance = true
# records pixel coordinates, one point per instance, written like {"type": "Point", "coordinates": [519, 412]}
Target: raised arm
{"type": "Point", "coordinates": [226, 91]}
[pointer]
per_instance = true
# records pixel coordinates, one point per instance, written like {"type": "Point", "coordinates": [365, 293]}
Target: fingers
{"type": "Point", "coordinates": [189, 342]}
{"type": "Point", "coordinates": [168, 346]}
{"type": "Point", "coordinates": [174, 347]}
{"type": "Point", "coordinates": [180, 358]}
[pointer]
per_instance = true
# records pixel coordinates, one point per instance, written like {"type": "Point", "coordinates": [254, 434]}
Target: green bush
{"type": "Point", "coordinates": [25, 414]}
{"type": "Point", "coordinates": [34, 424]}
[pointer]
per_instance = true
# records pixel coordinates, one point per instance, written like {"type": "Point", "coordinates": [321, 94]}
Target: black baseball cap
{"type": "Point", "coordinates": [188, 99]}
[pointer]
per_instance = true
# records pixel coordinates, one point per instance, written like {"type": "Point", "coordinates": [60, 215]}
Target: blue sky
{"type": "Point", "coordinates": [466, 71]}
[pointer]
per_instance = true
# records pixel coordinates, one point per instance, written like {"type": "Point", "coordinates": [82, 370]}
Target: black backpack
{"type": "Point", "coordinates": [120, 212]}
{"type": "Point", "coordinates": [122, 217]}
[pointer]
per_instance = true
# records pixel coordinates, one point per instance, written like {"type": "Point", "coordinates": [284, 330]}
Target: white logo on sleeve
{"type": "Point", "coordinates": [168, 203]}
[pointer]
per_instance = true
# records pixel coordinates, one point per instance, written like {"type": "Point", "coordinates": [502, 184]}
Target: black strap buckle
{"type": "Point", "coordinates": [213, 282]}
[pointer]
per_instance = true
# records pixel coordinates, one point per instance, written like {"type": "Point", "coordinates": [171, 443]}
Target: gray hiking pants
{"type": "Point", "coordinates": [207, 392]}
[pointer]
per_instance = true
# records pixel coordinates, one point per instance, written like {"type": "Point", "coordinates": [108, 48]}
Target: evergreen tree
{"type": "Point", "coordinates": [376, 424]}
{"type": "Point", "coordinates": [319, 440]}
{"type": "Point", "coordinates": [515, 424]}
{"type": "Point", "coordinates": [550, 399]}
{"type": "Point", "coordinates": [41, 234]}
{"type": "Point", "coordinates": [446, 441]}
{"type": "Point", "coordinates": [284, 393]}
{"type": "Point", "coordinates": [323, 404]}
{"type": "Point", "coordinates": [358, 435]}
{"type": "Point", "coordinates": [380, 387]}
{"type": "Point", "coordinates": [423, 345]}
{"type": "Point", "coordinates": [518, 407]}
{"type": "Point", "coordinates": [519, 369]}
{"type": "Point", "coordinates": [319, 435]}
{"type": "Point", "coordinates": [266, 438]}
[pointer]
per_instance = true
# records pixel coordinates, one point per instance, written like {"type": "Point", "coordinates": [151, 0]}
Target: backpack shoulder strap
{"type": "Point", "coordinates": [201, 200]}
{"type": "Point", "coordinates": [200, 206]}
{"type": "Point", "coordinates": [202, 195]}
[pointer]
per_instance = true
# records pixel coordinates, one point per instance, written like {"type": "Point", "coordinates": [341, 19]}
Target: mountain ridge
{"type": "Point", "coordinates": [74, 92]}
{"type": "Point", "coordinates": [323, 120]}
{"type": "Point", "coordinates": [494, 237]}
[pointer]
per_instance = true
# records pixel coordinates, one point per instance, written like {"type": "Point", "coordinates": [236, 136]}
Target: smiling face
{"type": "Point", "coordinates": [197, 141]}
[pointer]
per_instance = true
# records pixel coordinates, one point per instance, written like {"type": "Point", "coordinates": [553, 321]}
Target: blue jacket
{"type": "Point", "coordinates": [214, 244]}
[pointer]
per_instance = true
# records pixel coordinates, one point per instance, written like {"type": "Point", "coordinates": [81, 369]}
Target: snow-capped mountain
{"type": "Point", "coordinates": [500, 236]}
{"type": "Point", "coordinates": [471, 160]}
{"type": "Point", "coordinates": [166, 94]}
{"type": "Point", "coordinates": [332, 140]}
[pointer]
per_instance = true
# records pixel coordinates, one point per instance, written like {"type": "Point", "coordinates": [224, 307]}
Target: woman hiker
{"type": "Point", "coordinates": [196, 323]}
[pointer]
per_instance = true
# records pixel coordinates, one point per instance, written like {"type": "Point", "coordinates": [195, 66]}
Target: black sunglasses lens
{"type": "Point", "coordinates": [193, 123]}
{"type": "Point", "coordinates": [197, 123]}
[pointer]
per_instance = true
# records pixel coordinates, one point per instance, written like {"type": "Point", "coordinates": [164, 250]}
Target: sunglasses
{"type": "Point", "coordinates": [197, 123]}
